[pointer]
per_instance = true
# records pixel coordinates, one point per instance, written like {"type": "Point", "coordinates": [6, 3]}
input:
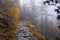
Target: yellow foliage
{"type": "Point", "coordinates": [36, 32]}
{"type": "Point", "coordinates": [14, 13]}
{"type": "Point", "coordinates": [12, 24]}
{"type": "Point", "coordinates": [9, 1]}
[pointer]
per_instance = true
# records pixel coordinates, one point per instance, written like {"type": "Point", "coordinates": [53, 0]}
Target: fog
{"type": "Point", "coordinates": [43, 16]}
